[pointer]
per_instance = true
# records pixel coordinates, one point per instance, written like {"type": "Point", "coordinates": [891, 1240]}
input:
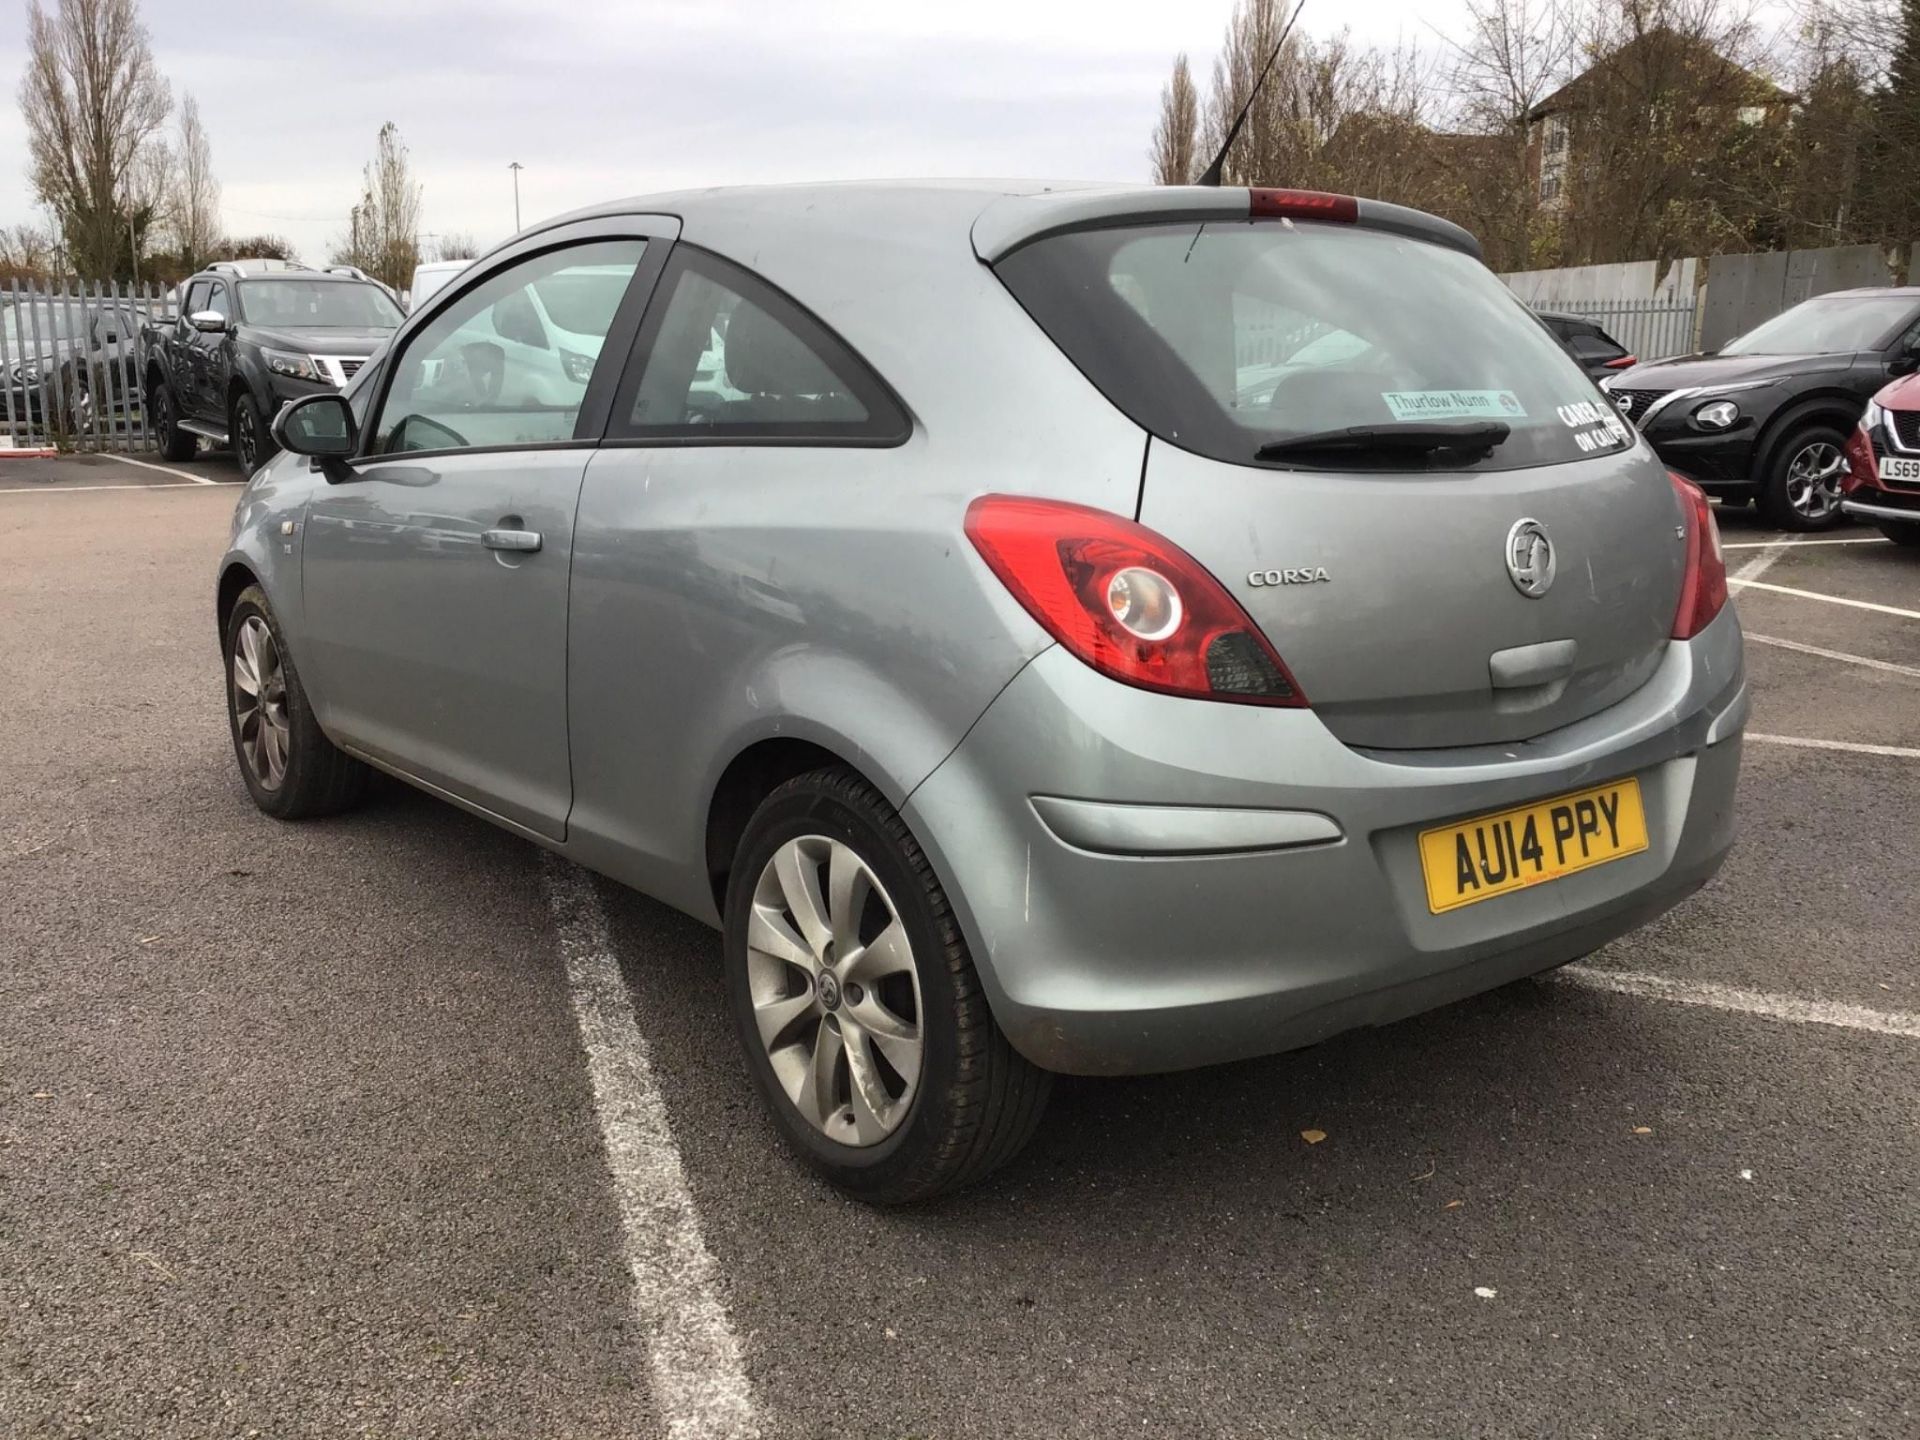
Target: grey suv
{"type": "Point", "coordinates": [1046, 629]}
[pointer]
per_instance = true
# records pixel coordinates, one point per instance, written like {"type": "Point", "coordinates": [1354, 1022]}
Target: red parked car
{"type": "Point", "coordinates": [1882, 485]}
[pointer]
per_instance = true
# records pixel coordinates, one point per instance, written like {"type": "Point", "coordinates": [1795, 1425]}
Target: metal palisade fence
{"type": "Point", "coordinates": [72, 359]}
{"type": "Point", "coordinates": [1650, 329]}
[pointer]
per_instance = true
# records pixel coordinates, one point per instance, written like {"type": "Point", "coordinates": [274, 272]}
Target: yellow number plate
{"type": "Point", "coordinates": [1496, 854]}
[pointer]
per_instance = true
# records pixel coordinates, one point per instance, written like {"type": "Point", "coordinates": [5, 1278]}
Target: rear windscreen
{"type": "Point", "coordinates": [1224, 338]}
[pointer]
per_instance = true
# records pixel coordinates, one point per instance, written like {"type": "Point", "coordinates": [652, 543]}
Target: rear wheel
{"type": "Point", "coordinates": [858, 1004]}
{"type": "Point", "coordinates": [1900, 534]}
{"type": "Point", "coordinates": [291, 769]}
{"type": "Point", "coordinates": [1801, 490]}
{"type": "Point", "coordinates": [164, 411]}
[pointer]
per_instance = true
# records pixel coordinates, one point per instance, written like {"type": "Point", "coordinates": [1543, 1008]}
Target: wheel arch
{"type": "Point", "coordinates": [235, 577]}
{"type": "Point", "coordinates": [1834, 407]}
{"type": "Point", "coordinates": [749, 777]}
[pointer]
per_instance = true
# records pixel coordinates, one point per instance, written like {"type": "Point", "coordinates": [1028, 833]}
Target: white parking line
{"type": "Point", "coordinates": [1854, 747]}
{"type": "Point", "coordinates": [84, 489]}
{"type": "Point", "coordinates": [1743, 579]}
{"type": "Point", "coordinates": [1745, 1002]}
{"type": "Point", "coordinates": [1757, 566]}
{"type": "Point", "coordinates": [163, 469]}
{"type": "Point", "coordinates": [699, 1379]}
{"type": "Point", "coordinates": [1775, 544]}
{"type": "Point", "coordinates": [1825, 654]}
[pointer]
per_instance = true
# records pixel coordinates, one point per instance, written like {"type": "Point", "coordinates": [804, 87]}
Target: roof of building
{"type": "Point", "coordinates": [1711, 73]}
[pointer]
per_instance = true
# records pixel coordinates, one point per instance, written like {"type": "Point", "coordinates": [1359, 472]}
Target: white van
{"type": "Point", "coordinates": [430, 277]}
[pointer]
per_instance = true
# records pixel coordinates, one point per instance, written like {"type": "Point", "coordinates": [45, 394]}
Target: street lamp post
{"type": "Point", "coordinates": [516, 167]}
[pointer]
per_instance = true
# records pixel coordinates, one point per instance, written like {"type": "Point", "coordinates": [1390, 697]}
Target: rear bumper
{"type": "Point", "coordinates": [1280, 900]}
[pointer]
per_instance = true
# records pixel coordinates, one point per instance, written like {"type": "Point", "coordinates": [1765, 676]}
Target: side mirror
{"type": "Point", "coordinates": [317, 425]}
{"type": "Point", "coordinates": [208, 322]}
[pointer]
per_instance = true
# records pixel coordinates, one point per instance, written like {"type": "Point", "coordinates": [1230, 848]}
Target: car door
{"type": "Point", "coordinates": [435, 571]}
{"type": "Point", "coordinates": [210, 350]}
{"type": "Point", "coordinates": [182, 356]}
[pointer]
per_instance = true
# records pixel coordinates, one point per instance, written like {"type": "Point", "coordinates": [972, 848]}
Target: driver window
{"type": "Point", "coordinates": [509, 361]}
{"type": "Point", "coordinates": [218, 302]}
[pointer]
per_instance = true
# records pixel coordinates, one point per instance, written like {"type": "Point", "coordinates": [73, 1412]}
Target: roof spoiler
{"type": "Point", "coordinates": [1016, 220]}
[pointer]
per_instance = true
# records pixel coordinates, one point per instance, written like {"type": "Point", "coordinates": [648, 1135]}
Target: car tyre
{"type": "Point", "coordinates": [1899, 534]}
{"type": "Point", "coordinates": [164, 411]}
{"type": "Point", "coordinates": [252, 442]}
{"type": "Point", "coordinates": [290, 768]}
{"type": "Point", "coordinates": [812, 1033]}
{"type": "Point", "coordinates": [1801, 489]}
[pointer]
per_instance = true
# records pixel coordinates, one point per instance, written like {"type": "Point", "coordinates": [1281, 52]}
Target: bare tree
{"type": "Point", "coordinates": [1675, 132]}
{"type": "Point", "coordinates": [253, 247]}
{"type": "Point", "coordinates": [383, 228]}
{"type": "Point", "coordinates": [26, 251]}
{"type": "Point", "coordinates": [194, 194]}
{"type": "Point", "coordinates": [92, 100]}
{"type": "Point", "coordinates": [1512, 54]}
{"type": "Point", "coordinates": [459, 245]}
{"type": "Point", "coordinates": [1174, 162]}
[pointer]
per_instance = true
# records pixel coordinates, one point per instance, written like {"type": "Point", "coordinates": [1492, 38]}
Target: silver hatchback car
{"type": "Point", "coordinates": [1097, 630]}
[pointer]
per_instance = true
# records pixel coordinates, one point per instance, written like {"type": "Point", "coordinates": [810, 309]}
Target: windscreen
{"type": "Point", "coordinates": [318, 305]}
{"type": "Point", "coordinates": [1831, 325]}
{"type": "Point", "coordinates": [1229, 338]}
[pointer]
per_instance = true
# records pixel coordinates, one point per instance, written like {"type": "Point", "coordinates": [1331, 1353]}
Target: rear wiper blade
{"type": "Point", "coordinates": [1420, 439]}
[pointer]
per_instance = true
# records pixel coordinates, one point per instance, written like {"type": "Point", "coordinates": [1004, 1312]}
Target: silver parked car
{"type": "Point", "coordinates": [1100, 630]}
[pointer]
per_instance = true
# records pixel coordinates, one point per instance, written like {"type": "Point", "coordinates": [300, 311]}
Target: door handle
{"type": "Point", "coordinates": [523, 541]}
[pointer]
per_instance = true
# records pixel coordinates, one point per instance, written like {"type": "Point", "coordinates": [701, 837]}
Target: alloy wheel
{"type": "Point", "coordinates": [246, 444]}
{"type": "Point", "coordinates": [260, 703]}
{"type": "Point", "coordinates": [1813, 479]}
{"type": "Point", "coordinates": [836, 997]}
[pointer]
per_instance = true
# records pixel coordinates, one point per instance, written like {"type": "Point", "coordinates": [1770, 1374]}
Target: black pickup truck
{"type": "Point", "coordinates": [251, 335]}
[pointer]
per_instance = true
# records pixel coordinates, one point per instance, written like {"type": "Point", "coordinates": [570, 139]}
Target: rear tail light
{"type": "Point", "coordinates": [1625, 362]}
{"type": "Point", "coordinates": [1862, 469]}
{"type": "Point", "coordinates": [1703, 588]}
{"type": "Point", "coordinates": [1302, 205]}
{"type": "Point", "coordinates": [1130, 603]}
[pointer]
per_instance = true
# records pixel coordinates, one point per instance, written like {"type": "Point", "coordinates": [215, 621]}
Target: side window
{"type": "Point", "coordinates": [196, 302]}
{"type": "Point", "coordinates": [489, 370]}
{"type": "Point", "coordinates": [1594, 348]}
{"type": "Point", "coordinates": [219, 302]}
{"type": "Point", "coordinates": [728, 358]}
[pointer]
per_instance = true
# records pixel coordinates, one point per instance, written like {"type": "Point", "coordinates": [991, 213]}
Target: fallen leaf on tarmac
{"type": "Point", "coordinates": [148, 939]}
{"type": "Point", "coordinates": [1485, 1292]}
{"type": "Point", "coordinates": [1453, 1204]}
{"type": "Point", "coordinates": [892, 1334]}
{"type": "Point", "coordinates": [1643, 1129]}
{"type": "Point", "coordinates": [1313, 1137]}
{"type": "Point", "coordinates": [43, 1095]}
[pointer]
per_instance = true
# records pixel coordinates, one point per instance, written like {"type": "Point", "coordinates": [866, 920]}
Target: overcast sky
{"type": "Point", "coordinates": [599, 99]}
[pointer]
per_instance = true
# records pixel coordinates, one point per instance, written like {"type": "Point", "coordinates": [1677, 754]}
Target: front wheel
{"type": "Point", "coordinates": [1908, 535]}
{"type": "Point", "coordinates": [1801, 491]}
{"type": "Point", "coordinates": [858, 1004]}
{"type": "Point", "coordinates": [290, 767]}
{"type": "Point", "coordinates": [164, 411]}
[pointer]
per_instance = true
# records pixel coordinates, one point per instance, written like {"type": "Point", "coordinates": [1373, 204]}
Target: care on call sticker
{"type": "Point", "coordinates": [1595, 427]}
{"type": "Point", "coordinates": [1453, 404]}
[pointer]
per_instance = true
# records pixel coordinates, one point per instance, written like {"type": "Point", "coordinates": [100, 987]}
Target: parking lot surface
{"type": "Point", "coordinates": [297, 1137]}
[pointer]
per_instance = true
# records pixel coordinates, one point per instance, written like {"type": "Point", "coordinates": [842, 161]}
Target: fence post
{"type": "Point", "coordinates": [64, 407]}
{"type": "Point", "coordinates": [9, 320]}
